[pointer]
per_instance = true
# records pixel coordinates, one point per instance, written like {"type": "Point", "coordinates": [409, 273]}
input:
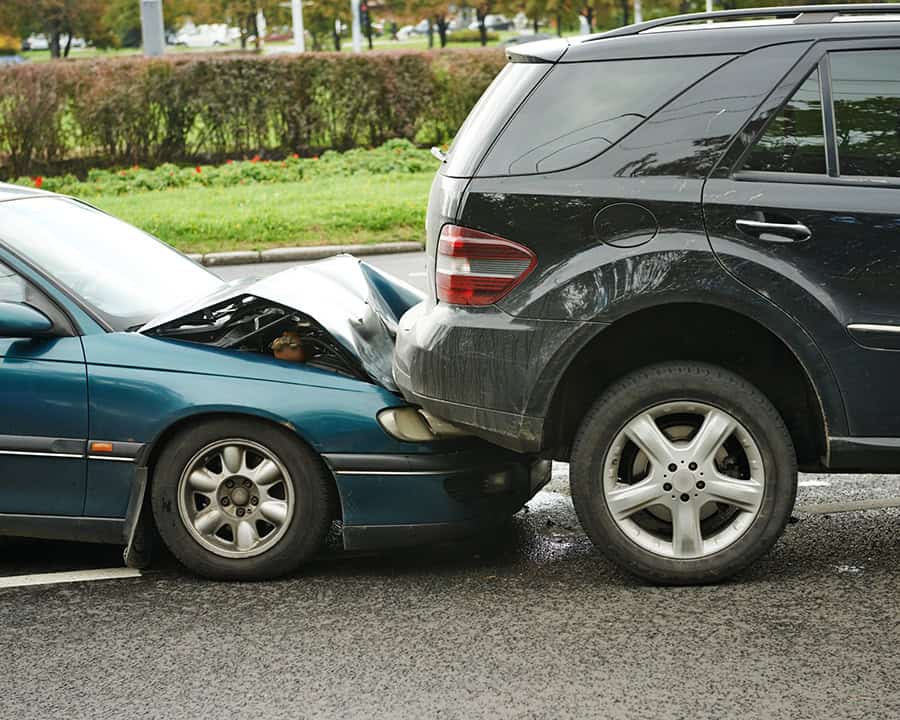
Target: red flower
{"type": "Point", "coordinates": [38, 181]}
{"type": "Point", "coordinates": [295, 156]}
{"type": "Point", "coordinates": [135, 167]}
{"type": "Point", "coordinates": [229, 162]}
{"type": "Point", "coordinates": [123, 173]}
{"type": "Point", "coordinates": [254, 159]}
{"type": "Point", "coordinates": [198, 170]}
{"type": "Point", "coordinates": [315, 157]}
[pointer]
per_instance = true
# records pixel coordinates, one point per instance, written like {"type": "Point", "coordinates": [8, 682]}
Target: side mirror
{"type": "Point", "coordinates": [18, 320]}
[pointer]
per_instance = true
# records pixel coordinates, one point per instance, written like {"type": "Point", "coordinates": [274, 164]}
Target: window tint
{"type": "Point", "coordinates": [794, 142]}
{"type": "Point", "coordinates": [12, 286]}
{"type": "Point", "coordinates": [581, 109]}
{"type": "Point", "coordinates": [866, 94]}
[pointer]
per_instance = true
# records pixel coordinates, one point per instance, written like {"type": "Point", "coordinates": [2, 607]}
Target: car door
{"type": "Point", "coordinates": [808, 214]}
{"type": "Point", "coordinates": [43, 412]}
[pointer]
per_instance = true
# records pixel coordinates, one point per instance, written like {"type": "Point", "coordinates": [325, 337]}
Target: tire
{"type": "Point", "coordinates": [729, 501]}
{"type": "Point", "coordinates": [208, 469]}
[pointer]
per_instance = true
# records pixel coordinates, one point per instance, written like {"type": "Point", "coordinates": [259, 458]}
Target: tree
{"type": "Point", "coordinates": [123, 17]}
{"type": "Point", "coordinates": [437, 14]}
{"type": "Point", "coordinates": [58, 19]}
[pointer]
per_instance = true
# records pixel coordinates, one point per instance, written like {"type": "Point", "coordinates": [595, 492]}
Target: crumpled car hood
{"type": "Point", "coordinates": [355, 302]}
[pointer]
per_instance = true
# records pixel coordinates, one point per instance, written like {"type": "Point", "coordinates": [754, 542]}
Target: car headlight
{"type": "Point", "coordinates": [412, 424]}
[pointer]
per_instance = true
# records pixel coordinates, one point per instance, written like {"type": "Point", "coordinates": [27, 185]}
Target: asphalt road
{"type": "Point", "coordinates": [532, 622]}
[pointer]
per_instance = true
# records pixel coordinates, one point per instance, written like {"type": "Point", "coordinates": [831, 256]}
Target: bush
{"type": "Point", "coordinates": [68, 116]}
{"type": "Point", "coordinates": [393, 157]}
{"type": "Point", "coordinates": [471, 36]}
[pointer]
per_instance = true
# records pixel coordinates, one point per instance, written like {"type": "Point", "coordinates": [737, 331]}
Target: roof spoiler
{"type": "Point", "coordinates": [539, 51]}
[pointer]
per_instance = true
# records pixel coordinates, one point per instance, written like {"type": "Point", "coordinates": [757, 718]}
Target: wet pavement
{"type": "Point", "coordinates": [531, 622]}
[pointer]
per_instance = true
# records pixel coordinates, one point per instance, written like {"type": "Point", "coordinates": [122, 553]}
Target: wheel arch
{"type": "Point", "coordinates": [804, 390]}
{"type": "Point", "coordinates": [139, 516]}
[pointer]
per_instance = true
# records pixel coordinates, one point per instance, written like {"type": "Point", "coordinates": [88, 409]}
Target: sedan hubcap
{"type": "Point", "coordinates": [235, 498]}
{"type": "Point", "coordinates": [698, 491]}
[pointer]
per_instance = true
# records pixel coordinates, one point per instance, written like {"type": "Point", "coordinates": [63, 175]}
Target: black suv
{"type": "Point", "coordinates": [670, 254]}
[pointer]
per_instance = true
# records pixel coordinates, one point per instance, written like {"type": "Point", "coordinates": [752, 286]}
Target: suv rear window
{"type": "Point", "coordinates": [580, 110]}
{"type": "Point", "coordinates": [794, 142]}
{"type": "Point", "coordinates": [489, 114]}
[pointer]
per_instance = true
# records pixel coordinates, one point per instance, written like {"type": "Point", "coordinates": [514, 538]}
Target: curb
{"type": "Point", "coordinates": [291, 254]}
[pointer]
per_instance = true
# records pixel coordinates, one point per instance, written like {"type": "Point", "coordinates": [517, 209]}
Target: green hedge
{"type": "Point", "coordinates": [70, 116]}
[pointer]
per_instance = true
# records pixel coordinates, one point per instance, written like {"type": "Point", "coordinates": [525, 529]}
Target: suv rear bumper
{"type": "Point", "coordinates": [487, 371]}
{"type": "Point", "coordinates": [522, 433]}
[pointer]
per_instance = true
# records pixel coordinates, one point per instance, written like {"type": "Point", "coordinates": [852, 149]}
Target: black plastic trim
{"type": "Point", "coordinates": [58, 527]}
{"type": "Point", "coordinates": [37, 444]}
{"type": "Point", "coordinates": [864, 454]}
{"type": "Point", "coordinates": [419, 464]}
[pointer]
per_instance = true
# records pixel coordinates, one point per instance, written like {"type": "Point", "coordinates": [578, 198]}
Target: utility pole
{"type": "Point", "coordinates": [709, 5]}
{"type": "Point", "coordinates": [153, 31]}
{"type": "Point", "coordinates": [638, 15]}
{"type": "Point", "coordinates": [297, 18]}
{"type": "Point", "coordinates": [354, 25]}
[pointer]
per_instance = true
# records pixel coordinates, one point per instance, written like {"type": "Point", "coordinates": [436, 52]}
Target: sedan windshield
{"type": "Point", "coordinates": [126, 276]}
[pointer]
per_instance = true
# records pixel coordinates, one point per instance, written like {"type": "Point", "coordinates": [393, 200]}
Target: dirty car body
{"type": "Point", "coordinates": [142, 347]}
{"type": "Point", "coordinates": [708, 196]}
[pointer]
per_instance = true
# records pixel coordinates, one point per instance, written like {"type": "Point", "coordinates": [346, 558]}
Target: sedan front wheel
{"type": "Point", "coordinates": [239, 499]}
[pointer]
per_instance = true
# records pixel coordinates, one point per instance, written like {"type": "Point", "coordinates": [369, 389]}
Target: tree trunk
{"type": "Point", "coordinates": [558, 24]}
{"type": "Point", "coordinates": [482, 30]}
{"type": "Point", "coordinates": [257, 42]}
{"type": "Point", "coordinates": [442, 30]}
{"type": "Point", "coordinates": [626, 6]}
{"type": "Point", "coordinates": [430, 34]}
{"type": "Point", "coordinates": [369, 27]}
{"type": "Point", "coordinates": [54, 44]}
{"type": "Point", "coordinates": [536, 24]}
{"type": "Point", "coordinates": [589, 15]}
{"type": "Point", "coordinates": [336, 36]}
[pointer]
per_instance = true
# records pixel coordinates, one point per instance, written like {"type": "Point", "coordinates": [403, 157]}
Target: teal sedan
{"type": "Point", "coordinates": [241, 420]}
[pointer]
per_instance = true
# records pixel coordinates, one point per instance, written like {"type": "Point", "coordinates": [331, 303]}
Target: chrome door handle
{"type": "Point", "coordinates": [774, 232]}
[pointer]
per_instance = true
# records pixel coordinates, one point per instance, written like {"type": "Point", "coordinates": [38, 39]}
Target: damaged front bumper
{"type": "Point", "coordinates": [452, 494]}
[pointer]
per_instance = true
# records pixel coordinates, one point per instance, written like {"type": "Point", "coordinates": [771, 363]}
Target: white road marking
{"type": "Point", "coordinates": [68, 577]}
{"type": "Point", "coordinates": [814, 483]}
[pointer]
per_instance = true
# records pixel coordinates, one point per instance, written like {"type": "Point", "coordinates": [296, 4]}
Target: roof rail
{"type": "Point", "coordinates": [800, 13]}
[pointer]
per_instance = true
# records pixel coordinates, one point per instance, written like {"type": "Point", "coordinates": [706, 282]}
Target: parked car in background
{"type": "Point", "coordinates": [493, 22]}
{"type": "Point", "coordinates": [241, 419]}
{"type": "Point", "coordinates": [668, 255]}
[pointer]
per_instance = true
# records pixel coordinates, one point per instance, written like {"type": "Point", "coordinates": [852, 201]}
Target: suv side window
{"type": "Point", "coordinates": [794, 142]}
{"type": "Point", "coordinates": [866, 95]}
{"type": "Point", "coordinates": [579, 110]}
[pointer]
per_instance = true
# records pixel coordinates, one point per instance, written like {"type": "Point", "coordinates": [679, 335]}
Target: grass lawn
{"type": "Point", "coordinates": [320, 211]}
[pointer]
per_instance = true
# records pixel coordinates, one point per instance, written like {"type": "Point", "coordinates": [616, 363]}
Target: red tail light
{"type": "Point", "coordinates": [475, 268]}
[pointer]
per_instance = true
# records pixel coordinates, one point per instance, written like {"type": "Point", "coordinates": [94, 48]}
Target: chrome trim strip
{"type": "Point", "coordinates": [41, 454]}
{"type": "Point", "coordinates": [868, 327]}
{"type": "Point", "coordinates": [110, 457]}
{"type": "Point", "coordinates": [399, 472]}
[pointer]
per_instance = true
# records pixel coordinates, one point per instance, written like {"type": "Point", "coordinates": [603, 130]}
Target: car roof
{"type": "Point", "coordinates": [17, 192]}
{"type": "Point", "coordinates": [724, 32]}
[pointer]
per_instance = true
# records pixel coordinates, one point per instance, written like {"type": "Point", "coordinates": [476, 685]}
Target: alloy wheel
{"type": "Point", "coordinates": [235, 498]}
{"type": "Point", "coordinates": [706, 485]}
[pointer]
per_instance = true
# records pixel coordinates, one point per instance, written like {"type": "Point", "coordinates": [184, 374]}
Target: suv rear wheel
{"type": "Point", "coordinates": [683, 473]}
